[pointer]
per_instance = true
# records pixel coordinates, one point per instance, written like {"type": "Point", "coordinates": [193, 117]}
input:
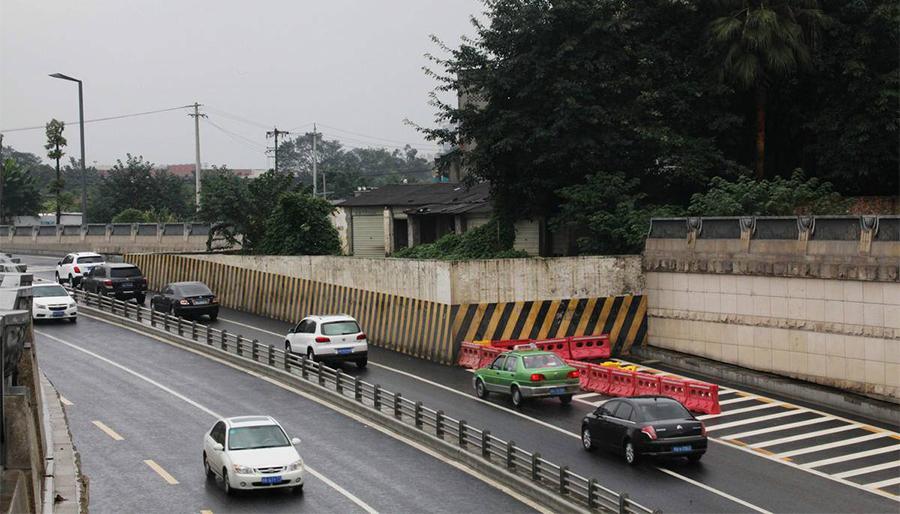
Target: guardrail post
{"type": "Point", "coordinates": [166, 321]}
{"type": "Point", "coordinates": [193, 330]}
{"type": "Point", "coordinates": [271, 355]}
{"type": "Point", "coordinates": [486, 444]}
{"type": "Point", "coordinates": [462, 433]}
{"type": "Point", "coordinates": [224, 341]}
{"type": "Point", "coordinates": [304, 372]}
{"type": "Point", "coordinates": [439, 424]}
{"type": "Point", "coordinates": [140, 308]}
{"type": "Point", "coordinates": [320, 374]}
{"type": "Point", "coordinates": [623, 499]}
{"type": "Point", "coordinates": [357, 390]}
{"type": "Point", "coordinates": [398, 406]}
{"type": "Point", "coordinates": [376, 396]}
{"type": "Point", "coordinates": [536, 467]}
{"type": "Point", "coordinates": [254, 350]}
{"type": "Point", "coordinates": [592, 494]}
{"type": "Point", "coordinates": [208, 336]}
{"type": "Point", "coordinates": [287, 360]}
{"type": "Point", "coordinates": [179, 323]}
{"type": "Point", "coordinates": [125, 309]}
{"type": "Point", "coordinates": [510, 462]}
{"type": "Point", "coordinates": [152, 316]}
{"type": "Point", "coordinates": [337, 382]}
{"type": "Point", "coordinates": [240, 348]}
{"type": "Point", "coordinates": [563, 471]}
{"type": "Point", "coordinates": [418, 415]}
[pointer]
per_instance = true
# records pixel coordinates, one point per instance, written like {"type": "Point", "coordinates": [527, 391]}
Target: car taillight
{"type": "Point", "coordinates": [323, 340]}
{"type": "Point", "coordinates": [107, 282]}
{"type": "Point", "coordinates": [360, 337]}
{"type": "Point", "coordinates": [574, 374]}
{"type": "Point", "coordinates": [184, 302]}
{"type": "Point", "coordinates": [536, 377]}
{"type": "Point", "coordinates": [702, 429]}
{"type": "Point", "coordinates": [650, 431]}
{"type": "Point", "coordinates": [76, 269]}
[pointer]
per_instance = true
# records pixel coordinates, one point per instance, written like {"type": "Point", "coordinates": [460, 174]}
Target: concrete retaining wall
{"type": "Point", "coordinates": [109, 239]}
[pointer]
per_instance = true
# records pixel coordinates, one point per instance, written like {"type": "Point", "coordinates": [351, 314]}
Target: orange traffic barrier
{"type": "Point", "coordinates": [509, 344]}
{"type": "Point", "coordinates": [559, 346]}
{"type": "Point", "coordinates": [646, 384]}
{"type": "Point", "coordinates": [469, 355]}
{"type": "Point", "coordinates": [702, 397]}
{"type": "Point", "coordinates": [590, 347]}
{"type": "Point", "coordinates": [673, 388]}
{"type": "Point", "coordinates": [599, 380]}
{"type": "Point", "coordinates": [487, 354]}
{"type": "Point", "coordinates": [622, 383]}
{"type": "Point", "coordinates": [583, 373]}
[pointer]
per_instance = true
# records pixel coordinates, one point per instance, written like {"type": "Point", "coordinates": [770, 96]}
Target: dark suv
{"type": "Point", "coordinates": [121, 280]}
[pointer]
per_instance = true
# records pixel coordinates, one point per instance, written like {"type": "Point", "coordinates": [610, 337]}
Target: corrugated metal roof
{"type": "Point", "coordinates": [421, 194]}
{"type": "Point", "coordinates": [456, 208]}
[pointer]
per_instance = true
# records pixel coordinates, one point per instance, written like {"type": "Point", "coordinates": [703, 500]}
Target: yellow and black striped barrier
{"type": "Point", "coordinates": [424, 329]}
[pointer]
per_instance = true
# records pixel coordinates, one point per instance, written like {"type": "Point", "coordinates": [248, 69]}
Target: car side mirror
{"type": "Point", "coordinates": [295, 441]}
{"type": "Point", "coordinates": [218, 447]}
{"type": "Point", "coordinates": [59, 263]}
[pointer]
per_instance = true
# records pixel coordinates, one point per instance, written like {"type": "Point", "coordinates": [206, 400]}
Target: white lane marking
{"type": "Point", "coordinates": [738, 411]}
{"type": "Point", "coordinates": [180, 396]}
{"type": "Point", "coordinates": [251, 327]}
{"type": "Point", "coordinates": [884, 483]}
{"type": "Point", "coordinates": [161, 472]}
{"type": "Point", "coordinates": [318, 400]}
{"type": "Point", "coordinates": [65, 401]}
{"type": "Point", "coordinates": [869, 469]}
{"type": "Point", "coordinates": [716, 491]}
{"type": "Point", "coordinates": [776, 428]}
{"type": "Point", "coordinates": [750, 420]}
{"type": "Point", "coordinates": [737, 400]}
{"type": "Point", "coordinates": [836, 444]}
{"type": "Point", "coordinates": [800, 437]}
{"type": "Point", "coordinates": [586, 395]}
{"type": "Point", "coordinates": [108, 431]}
{"type": "Point", "coordinates": [852, 456]}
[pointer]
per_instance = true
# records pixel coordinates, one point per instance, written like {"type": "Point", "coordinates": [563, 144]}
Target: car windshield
{"type": "Point", "coordinates": [340, 328]}
{"type": "Point", "coordinates": [662, 409]}
{"type": "Point", "coordinates": [197, 289]}
{"type": "Point", "coordinates": [544, 360]}
{"type": "Point", "coordinates": [90, 260]}
{"type": "Point", "coordinates": [125, 272]}
{"type": "Point", "coordinates": [48, 291]}
{"type": "Point", "coordinates": [249, 438]}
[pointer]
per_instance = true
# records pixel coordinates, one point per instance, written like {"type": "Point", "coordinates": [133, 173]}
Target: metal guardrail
{"type": "Point", "coordinates": [530, 465]}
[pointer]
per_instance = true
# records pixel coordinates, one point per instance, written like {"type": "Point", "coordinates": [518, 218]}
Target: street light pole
{"type": "Point", "coordinates": [81, 128]}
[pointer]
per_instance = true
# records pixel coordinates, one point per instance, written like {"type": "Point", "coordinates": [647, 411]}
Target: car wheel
{"type": "Point", "coordinates": [631, 456]}
{"type": "Point", "coordinates": [565, 399]}
{"type": "Point", "coordinates": [586, 440]}
{"type": "Point", "coordinates": [298, 490]}
{"type": "Point", "coordinates": [517, 397]}
{"type": "Point", "coordinates": [214, 316]}
{"type": "Point", "coordinates": [361, 363]}
{"type": "Point", "coordinates": [206, 468]}
{"type": "Point", "coordinates": [693, 459]}
{"type": "Point", "coordinates": [140, 300]}
{"type": "Point", "coordinates": [311, 355]}
{"type": "Point", "coordinates": [57, 278]}
{"type": "Point", "coordinates": [73, 320]}
{"type": "Point", "coordinates": [71, 281]}
{"type": "Point", "coordinates": [287, 347]}
{"type": "Point", "coordinates": [480, 390]}
{"type": "Point", "coordinates": [225, 484]}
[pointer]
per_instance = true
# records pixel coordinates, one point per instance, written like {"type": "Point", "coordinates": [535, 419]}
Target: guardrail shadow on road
{"type": "Point", "coordinates": [553, 478]}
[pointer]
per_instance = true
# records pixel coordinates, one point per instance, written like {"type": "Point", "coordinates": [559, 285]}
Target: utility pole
{"type": "Point", "coordinates": [274, 133]}
{"type": "Point", "coordinates": [2, 169]}
{"type": "Point", "coordinates": [197, 164]}
{"type": "Point", "coordinates": [315, 164]}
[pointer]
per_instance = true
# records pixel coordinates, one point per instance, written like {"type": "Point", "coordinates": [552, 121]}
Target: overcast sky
{"type": "Point", "coordinates": [350, 66]}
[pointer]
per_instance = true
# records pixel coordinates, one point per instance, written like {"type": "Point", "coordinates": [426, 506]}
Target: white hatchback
{"type": "Point", "coordinates": [329, 339]}
{"type": "Point", "coordinates": [252, 452]}
{"type": "Point", "coordinates": [75, 265]}
{"type": "Point", "coordinates": [52, 301]}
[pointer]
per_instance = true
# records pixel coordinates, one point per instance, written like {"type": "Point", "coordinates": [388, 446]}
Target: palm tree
{"type": "Point", "coordinates": [761, 42]}
{"type": "Point", "coordinates": [55, 142]}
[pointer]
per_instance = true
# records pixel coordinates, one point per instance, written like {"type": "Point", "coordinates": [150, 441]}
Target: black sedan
{"type": "Point", "coordinates": [121, 280]}
{"type": "Point", "coordinates": [186, 299]}
{"type": "Point", "coordinates": [644, 426]}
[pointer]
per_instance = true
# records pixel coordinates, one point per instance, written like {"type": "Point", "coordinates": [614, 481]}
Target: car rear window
{"type": "Point", "coordinates": [662, 409]}
{"type": "Point", "coordinates": [90, 260]}
{"type": "Point", "coordinates": [125, 272]}
{"type": "Point", "coordinates": [193, 290]}
{"type": "Point", "coordinates": [546, 360]}
{"type": "Point", "coordinates": [340, 328]}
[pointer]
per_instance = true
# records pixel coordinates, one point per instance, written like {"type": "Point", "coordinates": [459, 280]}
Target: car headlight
{"type": "Point", "coordinates": [294, 466]}
{"type": "Point", "coordinates": [71, 304]}
{"type": "Point", "coordinates": [242, 470]}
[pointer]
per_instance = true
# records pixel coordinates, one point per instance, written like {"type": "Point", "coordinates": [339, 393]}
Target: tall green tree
{"type": "Point", "coordinates": [136, 184]}
{"type": "Point", "coordinates": [761, 44]}
{"type": "Point", "coordinates": [55, 144]}
{"type": "Point", "coordinates": [21, 195]}
{"type": "Point", "coordinates": [300, 225]}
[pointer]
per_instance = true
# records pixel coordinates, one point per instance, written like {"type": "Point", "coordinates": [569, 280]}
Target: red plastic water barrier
{"type": "Point", "coordinates": [702, 397]}
{"type": "Point", "coordinates": [622, 383]}
{"type": "Point", "coordinates": [645, 383]}
{"type": "Point", "coordinates": [558, 346]}
{"type": "Point", "coordinates": [469, 355]}
{"type": "Point", "coordinates": [509, 344]}
{"type": "Point", "coordinates": [590, 347]}
{"type": "Point", "coordinates": [487, 355]}
{"type": "Point", "coordinates": [583, 373]}
{"type": "Point", "coordinates": [673, 388]}
{"type": "Point", "coordinates": [599, 380]}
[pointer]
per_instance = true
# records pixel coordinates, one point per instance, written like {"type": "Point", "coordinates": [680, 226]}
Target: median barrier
{"type": "Point", "coordinates": [590, 347]}
{"type": "Point", "coordinates": [599, 381]}
{"type": "Point", "coordinates": [702, 397]}
{"type": "Point", "coordinates": [559, 346]}
{"type": "Point", "coordinates": [622, 383]}
{"type": "Point", "coordinates": [469, 355]}
{"type": "Point", "coordinates": [583, 376]}
{"type": "Point", "coordinates": [487, 354]}
{"type": "Point", "coordinates": [646, 384]}
{"type": "Point", "coordinates": [674, 388]}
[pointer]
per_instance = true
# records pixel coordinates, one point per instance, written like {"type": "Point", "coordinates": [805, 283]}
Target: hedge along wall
{"type": "Point", "coordinates": [419, 327]}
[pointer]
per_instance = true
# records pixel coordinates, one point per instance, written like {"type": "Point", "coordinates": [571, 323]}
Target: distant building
{"type": "Point", "coordinates": [187, 171]}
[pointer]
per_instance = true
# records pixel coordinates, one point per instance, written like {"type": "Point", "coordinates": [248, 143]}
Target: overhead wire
{"type": "Point", "coordinates": [108, 118]}
{"type": "Point", "coordinates": [236, 136]}
{"type": "Point", "coordinates": [376, 138]}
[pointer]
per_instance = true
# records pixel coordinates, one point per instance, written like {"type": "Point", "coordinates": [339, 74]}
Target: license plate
{"type": "Point", "coordinates": [344, 351]}
{"type": "Point", "coordinates": [272, 480]}
{"type": "Point", "coordinates": [201, 301]}
{"type": "Point", "coordinates": [557, 390]}
{"type": "Point", "coordinates": [127, 285]}
{"type": "Point", "coordinates": [682, 449]}
{"type": "Point", "coordinates": [59, 314]}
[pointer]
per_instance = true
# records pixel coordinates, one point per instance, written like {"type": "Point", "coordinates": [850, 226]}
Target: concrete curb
{"type": "Point", "coordinates": [540, 495]}
{"type": "Point", "coordinates": [815, 394]}
{"type": "Point", "coordinates": [68, 480]}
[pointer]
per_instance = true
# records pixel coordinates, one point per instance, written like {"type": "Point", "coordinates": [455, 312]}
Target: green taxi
{"type": "Point", "coordinates": [526, 372]}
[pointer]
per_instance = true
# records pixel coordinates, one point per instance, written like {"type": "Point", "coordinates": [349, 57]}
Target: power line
{"type": "Point", "coordinates": [236, 117]}
{"type": "Point", "coordinates": [237, 137]}
{"type": "Point", "coordinates": [108, 118]}
{"type": "Point", "coordinates": [343, 138]}
{"type": "Point", "coordinates": [368, 137]}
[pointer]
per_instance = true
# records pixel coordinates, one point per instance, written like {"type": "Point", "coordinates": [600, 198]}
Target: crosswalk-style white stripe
{"type": "Point", "coordinates": [852, 456]}
{"type": "Point", "coordinates": [869, 469]}
{"type": "Point", "coordinates": [750, 420]}
{"type": "Point", "coordinates": [738, 411]}
{"type": "Point", "coordinates": [884, 483]}
{"type": "Point", "coordinates": [800, 437]}
{"type": "Point", "coordinates": [585, 395]}
{"type": "Point", "coordinates": [828, 446]}
{"type": "Point", "coordinates": [736, 400]}
{"type": "Point", "coordinates": [778, 428]}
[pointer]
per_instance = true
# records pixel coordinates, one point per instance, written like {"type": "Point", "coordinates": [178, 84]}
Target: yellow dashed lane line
{"type": "Point", "coordinates": [108, 431]}
{"type": "Point", "coordinates": [161, 472]}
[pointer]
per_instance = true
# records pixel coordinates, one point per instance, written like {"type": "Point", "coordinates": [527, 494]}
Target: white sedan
{"type": "Point", "coordinates": [252, 452]}
{"type": "Point", "coordinates": [52, 301]}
